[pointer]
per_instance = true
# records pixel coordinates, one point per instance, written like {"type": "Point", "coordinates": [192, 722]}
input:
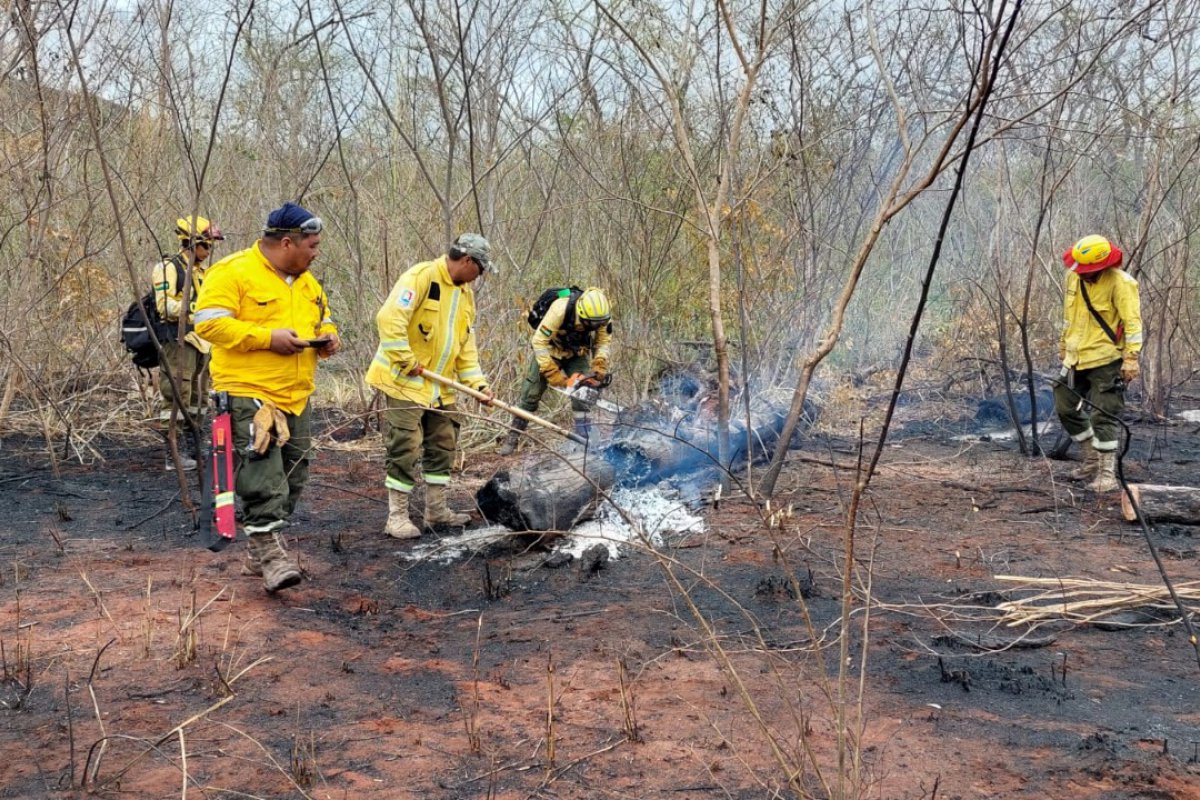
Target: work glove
{"type": "Point", "coordinates": [268, 418]}
{"type": "Point", "coordinates": [598, 380]}
{"type": "Point", "coordinates": [196, 341]}
{"type": "Point", "coordinates": [575, 380]}
{"type": "Point", "coordinates": [417, 369]}
{"type": "Point", "coordinates": [1129, 368]}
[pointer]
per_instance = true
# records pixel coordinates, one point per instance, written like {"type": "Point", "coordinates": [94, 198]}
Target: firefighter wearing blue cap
{"type": "Point", "coordinates": [268, 320]}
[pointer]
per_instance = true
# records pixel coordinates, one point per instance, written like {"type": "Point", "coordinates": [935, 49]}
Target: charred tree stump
{"type": "Point", "coordinates": [1163, 503]}
{"type": "Point", "coordinates": [655, 441]}
{"type": "Point", "coordinates": [551, 494]}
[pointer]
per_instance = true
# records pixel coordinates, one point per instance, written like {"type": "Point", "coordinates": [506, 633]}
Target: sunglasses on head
{"type": "Point", "coordinates": [310, 225]}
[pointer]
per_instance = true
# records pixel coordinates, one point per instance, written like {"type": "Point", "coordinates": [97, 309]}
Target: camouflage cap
{"type": "Point", "coordinates": [475, 246]}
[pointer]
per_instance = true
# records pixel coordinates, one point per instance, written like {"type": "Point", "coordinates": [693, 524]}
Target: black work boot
{"type": "Point", "coordinates": [514, 437]}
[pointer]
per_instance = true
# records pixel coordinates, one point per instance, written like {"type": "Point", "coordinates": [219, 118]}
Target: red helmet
{"type": "Point", "coordinates": [1092, 254]}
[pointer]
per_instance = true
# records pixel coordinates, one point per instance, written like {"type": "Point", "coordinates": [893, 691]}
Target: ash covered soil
{"type": "Point", "coordinates": [136, 663]}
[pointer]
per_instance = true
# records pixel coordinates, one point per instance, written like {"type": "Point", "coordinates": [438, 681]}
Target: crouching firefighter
{"type": "Point", "coordinates": [1101, 340]}
{"type": "Point", "coordinates": [268, 320]}
{"type": "Point", "coordinates": [572, 331]}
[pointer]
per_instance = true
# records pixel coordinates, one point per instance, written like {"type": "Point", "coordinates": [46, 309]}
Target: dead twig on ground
{"type": "Point", "coordinates": [1082, 600]}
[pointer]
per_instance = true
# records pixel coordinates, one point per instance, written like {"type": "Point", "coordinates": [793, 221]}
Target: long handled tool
{"type": "Point", "coordinates": [516, 412]}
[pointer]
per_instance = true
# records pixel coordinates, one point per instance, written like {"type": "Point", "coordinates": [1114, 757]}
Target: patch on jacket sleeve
{"type": "Point", "coordinates": [406, 299]}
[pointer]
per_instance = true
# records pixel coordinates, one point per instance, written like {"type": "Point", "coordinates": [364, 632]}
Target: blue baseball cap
{"type": "Point", "coordinates": [291, 217]}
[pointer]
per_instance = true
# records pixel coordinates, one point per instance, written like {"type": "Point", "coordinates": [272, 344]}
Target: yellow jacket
{"type": "Point", "coordinates": [242, 300]}
{"type": "Point", "coordinates": [168, 293]}
{"type": "Point", "coordinates": [554, 339]}
{"type": "Point", "coordinates": [1114, 295]}
{"type": "Point", "coordinates": [426, 320]}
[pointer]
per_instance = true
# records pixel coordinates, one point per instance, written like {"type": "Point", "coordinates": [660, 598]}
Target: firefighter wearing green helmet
{"type": "Point", "coordinates": [188, 356]}
{"type": "Point", "coordinates": [1101, 340]}
{"type": "Point", "coordinates": [570, 347]}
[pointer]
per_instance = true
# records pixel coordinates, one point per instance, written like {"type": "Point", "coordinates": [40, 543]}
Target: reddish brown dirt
{"type": "Point", "coordinates": [497, 677]}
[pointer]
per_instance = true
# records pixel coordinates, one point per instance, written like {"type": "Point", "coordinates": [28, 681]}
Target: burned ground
{"type": "Point", "coordinates": [507, 674]}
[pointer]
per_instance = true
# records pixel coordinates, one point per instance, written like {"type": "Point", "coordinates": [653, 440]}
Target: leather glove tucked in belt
{"type": "Point", "coordinates": [1129, 368]}
{"type": "Point", "coordinates": [195, 340]}
{"type": "Point", "coordinates": [268, 418]}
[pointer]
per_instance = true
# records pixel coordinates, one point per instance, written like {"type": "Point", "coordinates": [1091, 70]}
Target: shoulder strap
{"type": "Point", "coordinates": [180, 271]}
{"type": "Point", "coordinates": [573, 293]}
{"type": "Point", "coordinates": [1088, 302]}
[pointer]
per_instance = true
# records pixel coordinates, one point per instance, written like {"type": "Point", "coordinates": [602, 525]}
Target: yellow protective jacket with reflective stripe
{"type": "Point", "coordinates": [242, 300]}
{"type": "Point", "coordinates": [1114, 295]}
{"type": "Point", "coordinates": [554, 339]}
{"type": "Point", "coordinates": [168, 289]}
{"type": "Point", "coordinates": [426, 320]}
{"type": "Point", "coordinates": [168, 292]}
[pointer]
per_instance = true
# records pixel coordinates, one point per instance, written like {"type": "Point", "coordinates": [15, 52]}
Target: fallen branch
{"type": "Point", "coordinates": [1083, 600]}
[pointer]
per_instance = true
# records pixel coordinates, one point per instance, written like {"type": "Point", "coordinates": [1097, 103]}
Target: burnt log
{"type": "Point", "coordinates": [658, 440]}
{"type": "Point", "coordinates": [1163, 503]}
{"type": "Point", "coordinates": [553, 493]}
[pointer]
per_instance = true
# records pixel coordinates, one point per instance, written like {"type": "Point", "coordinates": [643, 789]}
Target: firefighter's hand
{"type": "Point", "coordinates": [334, 344]}
{"type": "Point", "coordinates": [416, 370]}
{"type": "Point", "coordinates": [488, 396]}
{"type": "Point", "coordinates": [575, 380]}
{"type": "Point", "coordinates": [1129, 368]}
{"type": "Point", "coordinates": [558, 378]}
{"type": "Point", "coordinates": [285, 342]}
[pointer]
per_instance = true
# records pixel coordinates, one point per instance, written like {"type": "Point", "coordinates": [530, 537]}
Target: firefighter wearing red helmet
{"type": "Point", "coordinates": [188, 356]}
{"type": "Point", "coordinates": [1101, 340]}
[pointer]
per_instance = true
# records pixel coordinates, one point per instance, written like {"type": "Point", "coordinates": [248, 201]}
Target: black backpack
{"type": "Point", "coordinates": [134, 333]}
{"type": "Point", "coordinates": [543, 303]}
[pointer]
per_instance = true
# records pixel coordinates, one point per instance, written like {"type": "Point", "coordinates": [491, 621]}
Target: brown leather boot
{"type": "Point", "coordinates": [1091, 463]}
{"type": "Point", "coordinates": [1106, 474]}
{"type": "Point", "coordinates": [278, 569]}
{"type": "Point", "coordinates": [436, 510]}
{"type": "Point", "coordinates": [251, 566]}
{"type": "Point", "coordinates": [514, 437]}
{"type": "Point", "coordinates": [399, 526]}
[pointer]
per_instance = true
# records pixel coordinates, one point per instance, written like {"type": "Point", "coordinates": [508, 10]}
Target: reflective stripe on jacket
{"type": "Point", "coordinates": [1114, 295]}
{"type": "Point", "coordinates": [552, 340]}
{"type": "Point", "coordinates": [426, 320]}
{"type": "Point", "coordinates": [242, 300]}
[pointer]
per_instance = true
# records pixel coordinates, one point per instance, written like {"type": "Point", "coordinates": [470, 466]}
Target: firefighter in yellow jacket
{"type": "Point", "coordinates": [187, 357]}
{"type": "Point", "coordinates": [268, 320]}
{"type": "Point", "coordinates": [427, 322]}
{"type": "Point", "coordinates": [570, 346]}
{"type": "Point", "coordinates": [1101, 340]}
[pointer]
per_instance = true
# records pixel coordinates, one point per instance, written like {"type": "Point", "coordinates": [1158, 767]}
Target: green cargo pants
{"type": "Point", "coordinates": [193, 365]}
{"type": "Point", "coordinates": [269, 485]}
{"type": "Point", "coordinates": [535, 384]}
{"type": "Point", "coordinates": [413, 431]}
{"type": "Point", "coordinates": [1103, 388]}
